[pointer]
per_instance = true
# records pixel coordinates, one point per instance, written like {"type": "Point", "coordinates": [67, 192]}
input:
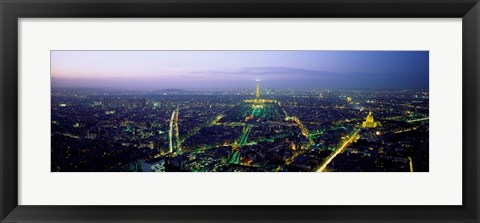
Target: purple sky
{"type": "Point", "coordinates": [240, 69]}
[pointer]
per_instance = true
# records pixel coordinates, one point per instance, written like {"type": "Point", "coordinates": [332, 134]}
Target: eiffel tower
{"type": "Point", "coordinates": [258, 102]}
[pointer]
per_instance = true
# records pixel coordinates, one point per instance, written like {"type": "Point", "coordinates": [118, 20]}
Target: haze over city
{"type": "Point", "coordinates": [237, 69]}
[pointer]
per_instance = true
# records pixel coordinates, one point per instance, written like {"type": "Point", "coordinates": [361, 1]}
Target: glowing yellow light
{"type": "Point", "coordinates": [369, 121]}
{"type": "Point", "coordinates": [378, 133]}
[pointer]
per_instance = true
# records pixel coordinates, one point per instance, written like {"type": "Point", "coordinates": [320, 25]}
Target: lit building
{"type": "Point", "coordinates": [370, 122]}
{"type": "Point", "coordinates": [349, 99]}
{"type": "Point", "coordinates": [258, 102]}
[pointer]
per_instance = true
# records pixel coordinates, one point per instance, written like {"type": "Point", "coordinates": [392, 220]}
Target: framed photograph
{"type": "Point", "coordinates": [239, 111]}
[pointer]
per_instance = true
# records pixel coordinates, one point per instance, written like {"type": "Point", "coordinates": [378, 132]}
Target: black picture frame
{"type": "Point", "coordinates": [12, 10]}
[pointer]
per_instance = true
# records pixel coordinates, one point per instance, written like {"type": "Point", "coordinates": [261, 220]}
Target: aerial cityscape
{"type": "Point", "coordinates": [239, 111]}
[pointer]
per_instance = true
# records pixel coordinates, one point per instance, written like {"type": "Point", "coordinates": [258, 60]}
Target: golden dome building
{"type": "Point", "coordinates": [370, 122]}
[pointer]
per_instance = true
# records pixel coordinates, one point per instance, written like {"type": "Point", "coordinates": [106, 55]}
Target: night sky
{"type": "Point", "coordinates": [240, 69]}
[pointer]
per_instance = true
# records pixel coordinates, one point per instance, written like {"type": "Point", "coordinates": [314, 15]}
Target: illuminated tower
{"type": "Point", "coordinates": [258, 103]}
{"type": "Point", "coordinates": [257, 91]}
{"type": "Point", "coordinates": [370, 122]}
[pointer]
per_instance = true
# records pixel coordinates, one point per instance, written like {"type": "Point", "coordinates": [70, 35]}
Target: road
{"type": "Point", "coordinates": [352, 137]}
{"type": "Point", "coordinates": [417, 120]}
{"type": "Point", "coordinates": [198, 128]}
{"type": "Point", "coordinates": [410, 162]}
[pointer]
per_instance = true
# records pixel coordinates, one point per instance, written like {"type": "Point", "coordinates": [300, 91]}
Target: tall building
{"type": "Point", "coordinates": [258, 102]}
{"type": "Point", "coordinates": [370, 122]}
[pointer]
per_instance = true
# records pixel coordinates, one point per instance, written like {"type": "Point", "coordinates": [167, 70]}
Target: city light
{"type": "Point", "coordinates": [240, 111]}
{"type": "Point", "coordinates": [192, 131]}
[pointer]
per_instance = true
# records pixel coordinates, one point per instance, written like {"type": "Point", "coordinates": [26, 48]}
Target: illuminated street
{"type": "Point", "coordinates": [352, 137]}
{"type": "Point", "coordinates": [278, 134]}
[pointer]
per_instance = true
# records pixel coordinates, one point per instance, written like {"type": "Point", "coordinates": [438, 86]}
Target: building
{"type": "Point", "coordinates": [370, 122]}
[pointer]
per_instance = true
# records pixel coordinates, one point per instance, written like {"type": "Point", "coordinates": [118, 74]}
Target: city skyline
{"type": "Point", "coordinates": [298, 131]}
{"type": "Point", "coordinates": [238, 69]}
{"type": "Point", "coordinates": [271, 111]}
